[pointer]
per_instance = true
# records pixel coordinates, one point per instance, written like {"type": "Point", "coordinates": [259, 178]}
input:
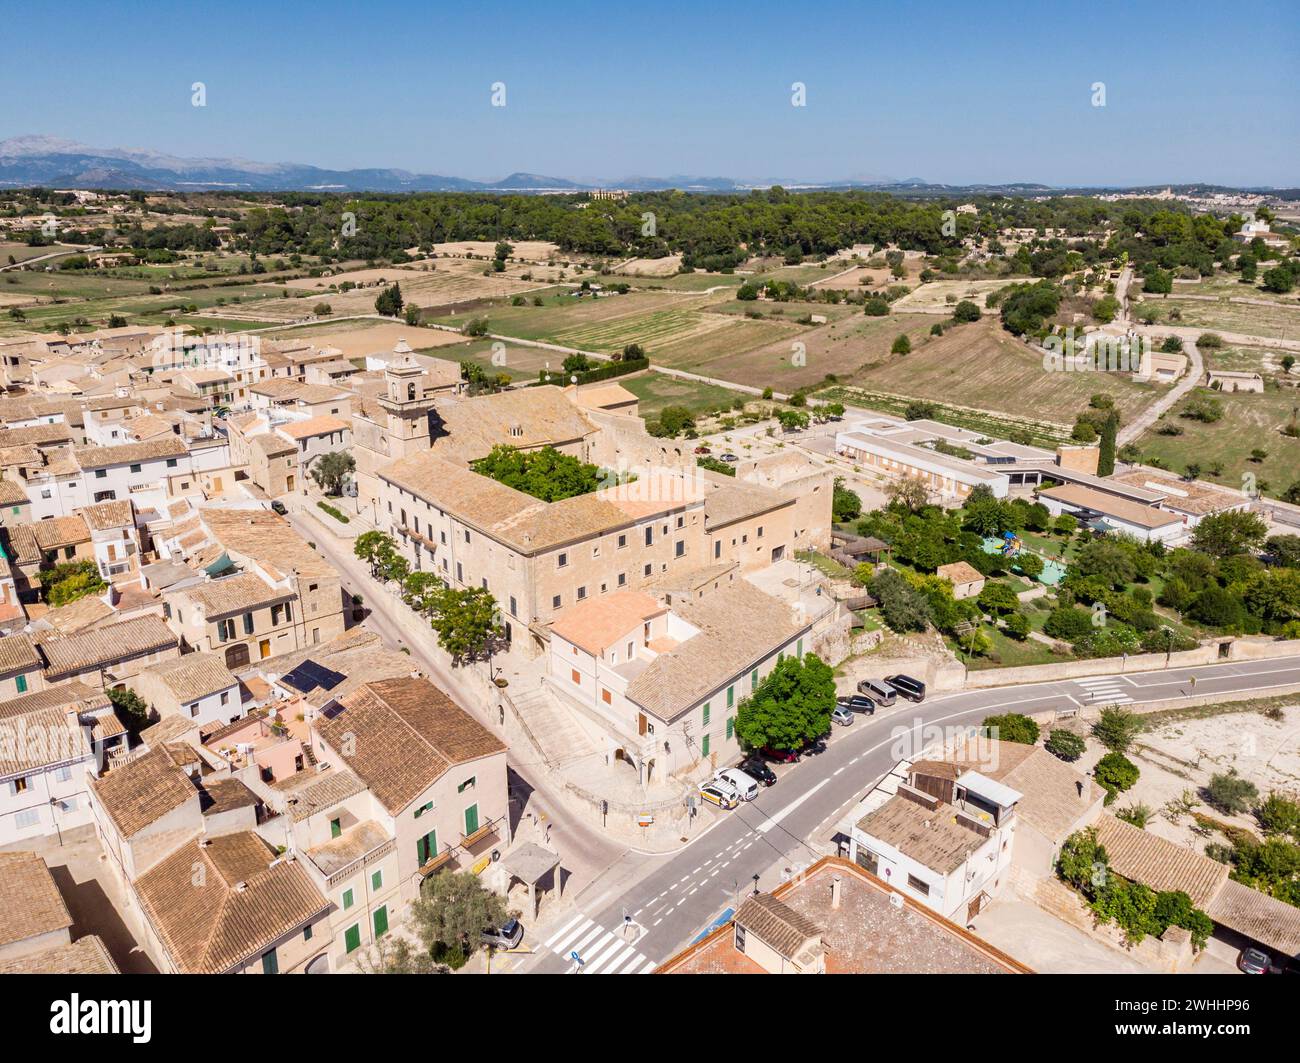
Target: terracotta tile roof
{"type": "Point", "coordinates": [235, 594]}
{"type": "Point", "coordinates": [960, 572]}
{"type": "Point", "coordinates": [102, 646]}
{"type": "Point", "coordinates": [1187, 497]}
{"type": "Point", "coordinates": [776, 924]}
{"type": "Point", "coordinates": [321, 793]}
{"type": "Point", "coordinates": [595, 624]}
{"type": "Point", "coordinates": [17, 654]}
{"type": "Point", "coordinates": [1162, 865]}
{"type": "Point", "coordinates": [314, 426]}
{"type": "Point", "coordinates": [194, 675]}
{"type": "Point", "coordinates": [32, 902]}
{"type": "Point", "coordinates": [106, 515]}
{"type": "Point", "coordinates": [527, 417]}
{"type": "Point", "coordinates": [131, 453]}
{"type": "Point", "coordinates": [235, 910]}
{"type": "Point", "coordinates": [84, 956]}
{"type": "Point", "coordinates": [1258, 916]}
{"type": "Point", "coordinates": [739, 625]}
{"type": "Point", "coordinates": [142, 791]}
{"type": "Point", "coordinates": [272, 444]}
{"type": "Point", "coordinates": [268, 539]}
{"type": "Point", "coordinates": [407, 733]}
{"type": "Point", "coordinates": [75, 694]}
{"type": "Point", "coordinates": [732, 501]}
{"type": "Point", "coordinates": [35, 740]}
{"type": "Point", "coordinates": [57, 532]}
{"type": "Point", "coordinates": [932, 837]}
{"type": "Point", "coordinates": [39, 435]}
{"type": "Point", "coordinates": [12, 493]}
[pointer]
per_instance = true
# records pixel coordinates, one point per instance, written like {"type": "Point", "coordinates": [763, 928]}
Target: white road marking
{"type": "Point", "coordinates": [550, 944]}
{"type": "Point", "coordinates": [776, 817]}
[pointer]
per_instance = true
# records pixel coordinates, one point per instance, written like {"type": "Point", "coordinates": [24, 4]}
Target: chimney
{"type": "Point", "coordinates": [835, 892]}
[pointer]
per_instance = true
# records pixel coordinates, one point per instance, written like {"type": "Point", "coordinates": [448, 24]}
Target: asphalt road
{"type": "Point", "coordinates": [676, 897]}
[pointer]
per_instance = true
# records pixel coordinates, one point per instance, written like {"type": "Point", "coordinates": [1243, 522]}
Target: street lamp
{"type": "Point", "coordinates": [755, 883]}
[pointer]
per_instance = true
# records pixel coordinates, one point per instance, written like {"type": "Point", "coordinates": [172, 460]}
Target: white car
{"type": "Point", "coordinates": [745, 786]}
{"type": "Point", "coordinates": [719, 794]}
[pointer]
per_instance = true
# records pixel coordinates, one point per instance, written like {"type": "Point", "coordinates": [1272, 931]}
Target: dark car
{"type": "Point", "coordinates": [508, 936]}
{"type": "Point", "coordinates": [912, 689]}
{"type": "Point", "coordinates": [278, 507]}
{"type": "Point", "coordinates": [781, 756]}
{"type": "Point", "coordinates": [858, 703]}
{"type": "Point", "coordinates": [1254, 961]}
{"type": "Point", "coordinates": [815, 746]}
{"type": "Point", "coordinates": [755, 768]}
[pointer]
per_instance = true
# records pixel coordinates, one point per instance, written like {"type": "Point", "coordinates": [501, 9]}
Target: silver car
{"type": "Point", "coordinates": [508, 936]}
{"type": "Point", "coordinates": [842, 715]}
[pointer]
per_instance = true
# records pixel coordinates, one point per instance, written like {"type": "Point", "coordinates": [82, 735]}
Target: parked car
{"type": "Point", "coordinates": [912, 689]}
{"type": "Point", "coordinates": [781, 756]}
{"type": "Point", "coordinates": [858, 703]}
{"type": "Point", "coordinates": [703, 450]}
{"type": "Point", "coordinates": [507, 936]}
{"type": "Point", "coordinates": [815, 746]}
{"type": "Point", "coordinates": [878, 691]}
{"type": "Point", "coordinates": [729, 457]}
{"type": "Point", "coordinates": [278, 507]}
{"type": "Point", "coordinates": [714, 793]}
{"type": "Point", "coordinates": [842, 715]}
{"type": "Point", "coordinates": [1254, 961]}
{"type": "Point", "coordinates": [745, 785]}
{"type": "Point", "coordinates": [755, 768]}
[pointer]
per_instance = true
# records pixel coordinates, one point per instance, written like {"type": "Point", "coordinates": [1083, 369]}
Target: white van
{"type": "Point", "coordinates": [745, 786]}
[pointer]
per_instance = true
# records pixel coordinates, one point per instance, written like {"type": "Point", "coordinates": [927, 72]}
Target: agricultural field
{"type": "Point", "coordinates": [657, 390]}
{"type": "Point", "coordinates": [651, 267]}
{"type": "Point", "coordinates": [1280, 320]}
{"type": "Point", "coordinates": [934, 297]}
{"type": "Point", "coordinates": [979, 365]}
{"type": "Point", "coordinates": [359, 338]}
{"type": "Point", "coordinates": [525, 250]}
{"type": "Point", "coordinates": [1249, 421]}
{"type": "Point", "coordinates": [1244, 359]}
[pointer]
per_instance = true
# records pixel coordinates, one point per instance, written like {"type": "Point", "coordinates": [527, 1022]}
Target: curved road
{"type": "Point", "coordinates": [674, 898]}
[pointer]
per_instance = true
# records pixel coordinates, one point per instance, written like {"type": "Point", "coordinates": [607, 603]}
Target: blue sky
{"type": "Point", "coordinates": [955, 92]}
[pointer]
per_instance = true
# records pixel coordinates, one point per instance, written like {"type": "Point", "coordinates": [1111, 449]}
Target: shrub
{"type": "Point", "coordinates": [1115, 773]}
{"type": "Point", "coordinates": [1017, 626]}
{"type": "Point", "coordinates": [1230, 793]}
{"type": "Point", "coordinates": [337, 514]}
{"type": "Point", "coordinates": [1068, 623]}
{"type": "Point", "coordinates": [1010, 727]}
{"type": "Point", "coordinates": [1065, 744]}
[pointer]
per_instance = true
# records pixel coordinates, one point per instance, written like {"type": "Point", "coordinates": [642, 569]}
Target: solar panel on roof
{"type": "Point", "coordinates": [309, 675]}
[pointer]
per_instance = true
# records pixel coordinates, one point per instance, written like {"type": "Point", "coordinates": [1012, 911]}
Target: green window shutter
{"type": "Point", "coordinates": [706, 714]}
{"type": "Point", "coordinates": [270, 963]}
{"type": "Point", "coordinates": [381, 921]}
{"type": "Point", "coordinates": [22, 684]}
{"type": "Point", "coordinates": [377, 880]}
{"type": "Point", "coordinates": [348, 899]}
{"type": "Point", "coordinates": [306, 932]}
{"type": "Point", "coordinates": [704, 746]}
{"type": "Point", "coordinates": [471, 819]}
{"type": "Point", "coordinates": [336, 828]}
{"type": "Point", "coordinates": [753, 679]}
{"type": "Point", "coordinates": [799, 648]}
{"type": "Point", "coordinates": [731, 726]}
{"type": "Point", "coordinates": [426, 848]}
{"type": "Point", "coordinates": [352, 938]}
{"type": "Point", "coordinates": [731, 696]}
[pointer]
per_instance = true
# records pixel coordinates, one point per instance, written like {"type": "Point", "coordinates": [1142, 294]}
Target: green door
{"type": "Point", "coordinates": [381, 921]}
{"type": "Point", "coordinates": [426, 848]}
{"type": "Point", "coordinates": [471, 820]}
{"type": "Point", "coordinates": [352, 938]}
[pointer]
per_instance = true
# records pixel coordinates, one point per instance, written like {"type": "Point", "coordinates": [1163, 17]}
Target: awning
{"type": "Point", "coordinates": [485, 831]}
{"type": "Point", "coordinates": [436, 864]}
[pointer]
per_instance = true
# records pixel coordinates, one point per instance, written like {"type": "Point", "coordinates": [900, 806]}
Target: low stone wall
{"type": "Point", "coordinates": [1239, 650]}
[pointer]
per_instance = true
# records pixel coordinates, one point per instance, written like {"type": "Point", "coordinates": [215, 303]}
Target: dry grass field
{"type": "Point", "coordinates": [359, 338]}
{"type": "Point", "coordinates": [651, 267]}
{"type": "Point", "coordinates": [933, 297]}
{"type": "Point", "coordinates": [979, 365]}
{"type": "Point", "coordinates": [527, 250]}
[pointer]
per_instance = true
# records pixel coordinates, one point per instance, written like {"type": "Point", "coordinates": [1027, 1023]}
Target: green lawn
{"type": "Point", "coordinates": [656, 390]}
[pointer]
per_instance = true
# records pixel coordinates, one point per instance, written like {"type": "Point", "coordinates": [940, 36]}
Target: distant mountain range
{"type": "Point", "coordinates": [51, 162]}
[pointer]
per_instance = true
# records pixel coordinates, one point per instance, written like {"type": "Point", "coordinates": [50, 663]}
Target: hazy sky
{"type": "Point", "coordinates": [954, 92]}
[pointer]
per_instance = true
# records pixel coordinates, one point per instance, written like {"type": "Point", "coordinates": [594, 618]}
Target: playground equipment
{"type": "Point", "coordinates": [1011, 544]}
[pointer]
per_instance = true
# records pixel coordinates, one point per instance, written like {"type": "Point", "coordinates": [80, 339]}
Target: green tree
{"type": "Point", "coordinates": [966, 311]}
{"type": "Point", "coordinates": [791, 705]}
{"type": "Point", "coordinates": [411, 315]}
{"type": "Point", "coordinates": [389, 301]}
{"type": "Point", "coordinates": [451, 913]}
{"type": "Point", "coordinates": [1116, 728]}
{"type": "Point", "coordinates": [468, 623]}
{"type": "Point", "coordinates": [845, 504]}
{"type": "Point", "coordinates": [1232, 532]}
{"type": "Point", "coordinates": [901, 344]}
{"type": "Point", "coordinates": [331, 471]}
{"type": "Point", "coordinates": [371, 547]}
{"type": "Point", "coordinates": [131, 710]}
{"type": "Point", "coordinates": [1108, 433]}
{"type": "Point", "coordinates": [547, 474]}
{"type": "Point", "coordinates": [422, 590]}
{"type": "Point", "coordinates": [69, 581]}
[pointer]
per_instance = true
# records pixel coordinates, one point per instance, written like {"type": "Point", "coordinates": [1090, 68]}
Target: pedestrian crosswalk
{"type": "Point", "coordinates": [602, 951]}
{"type": "Point", "coordinates": [1108, 691]}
